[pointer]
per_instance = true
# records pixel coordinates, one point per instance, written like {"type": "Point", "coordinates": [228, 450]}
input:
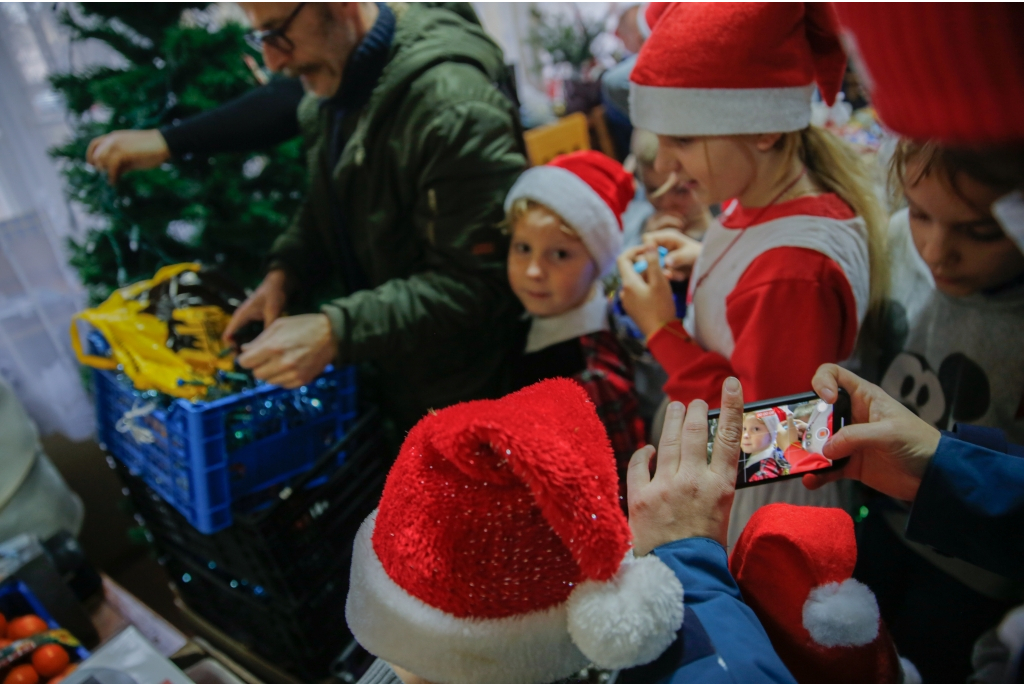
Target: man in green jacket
{"type": "Point", "coordinates": [412, 149]}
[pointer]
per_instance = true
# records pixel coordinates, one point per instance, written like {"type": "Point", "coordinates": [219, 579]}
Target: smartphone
{"type": "Point", "coordinates": [783, 438]}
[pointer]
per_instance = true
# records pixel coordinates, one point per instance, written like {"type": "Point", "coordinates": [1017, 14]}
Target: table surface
{"type": "Point", "coordinates": [120, 609]}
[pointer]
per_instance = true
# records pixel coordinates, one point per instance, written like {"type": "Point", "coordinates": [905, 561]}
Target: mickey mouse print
{"type": "Point", "coordinates": [959, 391]}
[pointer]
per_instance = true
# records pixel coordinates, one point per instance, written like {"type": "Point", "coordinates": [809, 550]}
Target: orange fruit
{"type": "Point", "coordinates": [23, 675]}
{"type": "Point", "coordinates": [25, 626]}
{"type": "Point", "coordinates": [3, 625]}
{"type": "Point", "coordinates": [4, 642]}
{"type": "Point", "coordinates": [62, 675]}
{"type": "Point", "coordinates": [49, 660]}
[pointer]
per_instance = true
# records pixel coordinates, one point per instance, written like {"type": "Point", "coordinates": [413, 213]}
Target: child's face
{"type": "Point", "coordinates": [755, 435]}
{"type": "Point", "coordinates": [550, 271]}
{"type": "Point", "coordinates": [678, 200]}
{"type": "Point", "coordinates": [713, 168]}
{"type": "Point", "coordinates": [957, 237]}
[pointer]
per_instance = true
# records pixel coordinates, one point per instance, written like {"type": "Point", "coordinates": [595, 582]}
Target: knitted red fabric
{"type": "Point", "coordinates": [500, 507]}
{"type": "Point", "coordinates": [952, 72]}
{"type": "Point", "coordinates": [786, 551]}
{"type": "Point", "coordinates": [602, 173]}
{"type": "Point", "coordinates": [743, 45]}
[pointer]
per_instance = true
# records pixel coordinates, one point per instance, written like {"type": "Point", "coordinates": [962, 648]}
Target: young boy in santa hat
{"type": "Point", "coordinates": [566, 231]}
{"type": "Point", "coordinates": [499, 554]}
{"type": "Point", "coordinates": [727, 87]}
{"type": "Point", "coordinates": [794, 566]}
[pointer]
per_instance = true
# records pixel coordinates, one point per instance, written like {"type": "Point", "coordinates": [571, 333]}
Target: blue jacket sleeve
{"type": "Point", "coordinates": [721, 640]}
{"type": "Point", "coordinates": [971, 501]}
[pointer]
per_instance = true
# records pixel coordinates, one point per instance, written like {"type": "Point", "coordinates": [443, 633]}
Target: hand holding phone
{"type": "Point", "coordinates": [888, 446]}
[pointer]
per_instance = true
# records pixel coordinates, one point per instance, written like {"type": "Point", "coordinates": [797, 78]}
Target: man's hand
{"type": "Point", "coordinates": [889, 447]}
{"type": "Point", "coordinates": [292, 351]}
{"type": "Point", "coordinates": [688, 497]}
{"type": "Point", "coordinates": [682, 252]}
{"type": "Point", "coordinates": [121, 151]}
{"type": "Point", "coordinates": [647, 297]}
{"type": "Point", "coordinates": [265, 304]}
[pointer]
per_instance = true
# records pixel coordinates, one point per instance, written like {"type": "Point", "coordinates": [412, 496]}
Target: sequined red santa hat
{"type": "Point", "coordinates": [499, 552]}
{"type": "Point", "coordinates": [952, 72]}
{"type": "Point", "coordinates": [590, 191]}
{"type": "Point", "coordinates": [734, 68]}
{"type": "Point", "coordinates": [794, 567]}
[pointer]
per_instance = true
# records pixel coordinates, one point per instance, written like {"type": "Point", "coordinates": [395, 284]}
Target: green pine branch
{"type": "Point", "coordinates": [195, 209]}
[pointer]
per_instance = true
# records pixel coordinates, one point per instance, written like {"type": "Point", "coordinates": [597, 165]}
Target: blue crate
{"type": "Point", "coordinates": [17, 600]}
{"type": "Point", "coordinates": [202, 457]}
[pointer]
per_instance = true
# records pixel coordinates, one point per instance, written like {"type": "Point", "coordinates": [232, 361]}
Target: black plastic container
{"type": "Point", "coordinates": [276, 580]}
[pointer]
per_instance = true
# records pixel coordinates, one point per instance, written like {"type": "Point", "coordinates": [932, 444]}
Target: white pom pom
{"type": "Point", "coordinates": [841, 614]}
{"type": "Point", "coordinates": [632, 618]}
{"type": "Point", "coordinates": [911, 675]}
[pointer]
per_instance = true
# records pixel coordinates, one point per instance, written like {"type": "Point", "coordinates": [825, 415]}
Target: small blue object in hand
{"type": "Point", "coordinates": [640, 265]}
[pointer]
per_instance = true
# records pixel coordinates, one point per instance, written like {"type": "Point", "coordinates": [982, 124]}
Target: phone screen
{"type": "Point", "coordinates": [783, 440]}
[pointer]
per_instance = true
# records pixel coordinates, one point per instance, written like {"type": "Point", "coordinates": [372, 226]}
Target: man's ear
{"type": "Point", "coordinates": [766, 141]}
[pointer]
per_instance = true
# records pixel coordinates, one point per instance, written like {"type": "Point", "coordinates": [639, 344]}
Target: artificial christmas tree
{"type": "Point", "coordinates": [222, 210]}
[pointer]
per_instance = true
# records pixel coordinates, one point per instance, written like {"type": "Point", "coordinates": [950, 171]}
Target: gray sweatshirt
{"type": "Point", "coordinates": [954, 359]}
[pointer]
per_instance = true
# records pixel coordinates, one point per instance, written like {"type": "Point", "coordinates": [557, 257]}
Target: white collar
{"type": "Point", "coordinates": [589, 317]}
{"type": "Point", "coordinates": [762, 455]}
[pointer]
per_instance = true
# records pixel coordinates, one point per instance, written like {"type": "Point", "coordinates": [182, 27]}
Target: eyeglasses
{"type": "Point", "coordinates": [275, 38]}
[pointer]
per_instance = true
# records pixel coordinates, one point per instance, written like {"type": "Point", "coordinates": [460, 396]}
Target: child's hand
{"type": "Point", "coordinates": [660, 221]}
{"type": "Point", "coordinates": [647, 297]}
{"type": "Point", "coordinates": [688, 496]}
{"type": "Point", "coordinates": [682, 255]}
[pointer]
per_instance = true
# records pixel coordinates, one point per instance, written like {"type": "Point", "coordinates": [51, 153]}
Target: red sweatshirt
{"type": "Point", "coordinates": [769, 302]}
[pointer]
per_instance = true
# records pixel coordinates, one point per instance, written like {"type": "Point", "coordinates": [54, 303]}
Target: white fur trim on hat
{"type": "Point", "coordinates": [400, 629]}
{"type": "Point", "coordinates": [719, 111]}
{"type": "Point", "coordinates": [632, 618]}
{"type": "Point", "coordinates": [641, 20]}
{"type": "Point", "coordinates": [841, 614]}
{"type": "Point", "coordinates": [574, 200]}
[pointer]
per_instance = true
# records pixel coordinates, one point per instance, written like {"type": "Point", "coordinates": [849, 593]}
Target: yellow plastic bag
{"type": "Point", "coordinates": [139, 341]}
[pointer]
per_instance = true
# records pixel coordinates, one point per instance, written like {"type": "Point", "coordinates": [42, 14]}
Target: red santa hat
{"type": "Point", "coordinates": [948, 72]}
{"type": "Point", "coordinates": [648, 16]}
{"type": "Point", "coordinates": [499, 552]}
{"type": "Point", "coordinates": [794, 566]}
{"type": "Point", "coordinates": [590, 191]}
{"type": "Point", "coordinates": [734, 68]}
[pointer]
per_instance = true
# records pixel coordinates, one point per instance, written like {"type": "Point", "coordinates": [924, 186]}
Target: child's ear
{"type": "Point", "coordinates": [767, 141]}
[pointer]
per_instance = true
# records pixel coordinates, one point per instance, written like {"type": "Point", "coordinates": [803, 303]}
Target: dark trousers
{"type": "Point", "coordinates": [934, 619]}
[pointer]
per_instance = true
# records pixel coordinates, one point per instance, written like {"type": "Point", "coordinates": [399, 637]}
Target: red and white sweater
{"type": "Point", "coordinates": [769, 302]}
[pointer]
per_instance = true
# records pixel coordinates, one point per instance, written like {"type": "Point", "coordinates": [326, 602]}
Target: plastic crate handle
{"type": "Point", "coordinates": [95, 361]}
{"type": "Point", "coordinates": [356, 431]}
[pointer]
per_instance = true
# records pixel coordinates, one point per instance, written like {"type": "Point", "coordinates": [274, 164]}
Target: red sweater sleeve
{"type": "Point", "coordinates": [791, 311]}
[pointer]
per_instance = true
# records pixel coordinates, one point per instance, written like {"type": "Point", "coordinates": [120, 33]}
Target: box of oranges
{"type": "Point", "coordinates": [33, 648]}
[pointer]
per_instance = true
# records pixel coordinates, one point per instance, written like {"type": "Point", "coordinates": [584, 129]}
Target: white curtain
{"type": "Point", "coordinates": [38, 291]}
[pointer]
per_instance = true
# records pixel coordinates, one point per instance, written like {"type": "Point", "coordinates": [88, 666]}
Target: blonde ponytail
{"type": "Point", "coordinates": [834, 165]}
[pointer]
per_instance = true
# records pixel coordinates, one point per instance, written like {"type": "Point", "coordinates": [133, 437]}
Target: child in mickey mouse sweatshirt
{"type": "Point", "coordinates": [953, 357]}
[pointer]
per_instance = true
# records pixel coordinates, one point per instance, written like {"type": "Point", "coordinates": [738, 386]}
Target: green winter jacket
{"type": "Point", "coordinates": [421, 182]}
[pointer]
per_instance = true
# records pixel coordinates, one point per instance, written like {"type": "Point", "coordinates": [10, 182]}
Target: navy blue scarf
{"type": "Point", "coordinates": [357, 83]}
